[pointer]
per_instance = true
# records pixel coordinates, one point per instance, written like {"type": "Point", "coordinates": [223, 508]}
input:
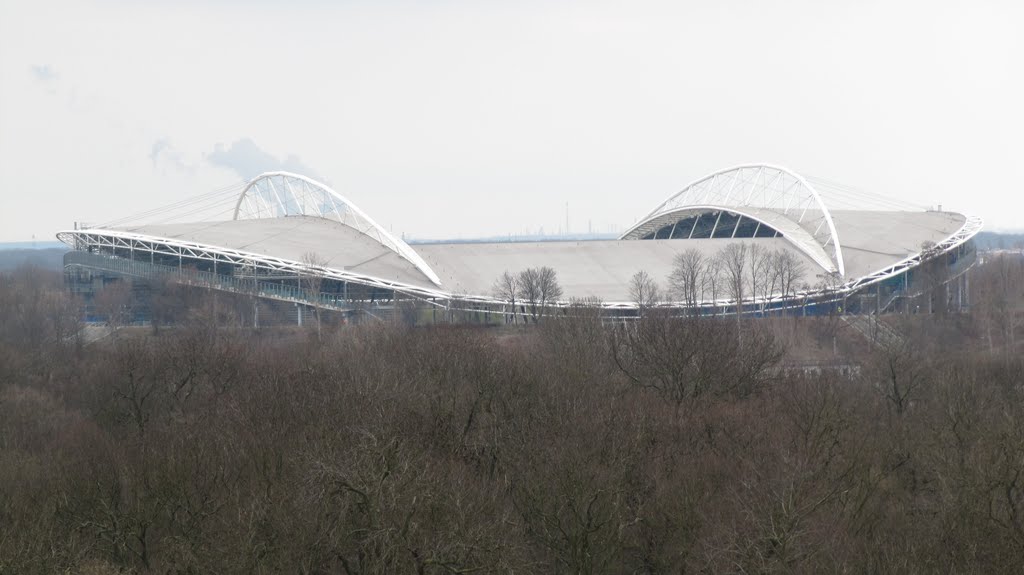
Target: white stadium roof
{"type": "Point", "coordinates": [279, 219]}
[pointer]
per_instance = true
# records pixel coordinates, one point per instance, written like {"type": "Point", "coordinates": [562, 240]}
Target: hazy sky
{"type": "Point", "coordinates": [447, 119]}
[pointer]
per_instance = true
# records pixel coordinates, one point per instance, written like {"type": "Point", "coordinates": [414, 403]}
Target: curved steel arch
{"type": "Point", "coordinates": [762, 186]}
{"type": "Point", "coordinates": [294, 194]}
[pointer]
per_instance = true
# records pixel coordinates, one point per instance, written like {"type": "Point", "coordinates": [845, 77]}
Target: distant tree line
{"type": "Point", "coordinates": [999, 241]}
{"type": "Point", "coordinates": [664, 445]}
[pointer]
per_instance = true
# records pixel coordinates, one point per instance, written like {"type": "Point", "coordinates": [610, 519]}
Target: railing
{"type": "Point", "coordinates": [204, 279]}
{"type": "Point", "coordinates": [896, 294]}
{"type": "Point", "coordinates": [875, 330]}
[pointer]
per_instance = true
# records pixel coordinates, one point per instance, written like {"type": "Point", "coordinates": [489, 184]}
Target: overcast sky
{"type": "Point", "coordinates": [462, 119]}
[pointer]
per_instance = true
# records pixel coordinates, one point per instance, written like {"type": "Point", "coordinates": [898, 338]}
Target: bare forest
{"type": "Point", "coordinates": [552, 444]}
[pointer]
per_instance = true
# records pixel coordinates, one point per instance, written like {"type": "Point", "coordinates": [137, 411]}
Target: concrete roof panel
{"type": "Point", "coordinates": [293, 237]}
{"type": "Point", "coordinates": [600, 269]}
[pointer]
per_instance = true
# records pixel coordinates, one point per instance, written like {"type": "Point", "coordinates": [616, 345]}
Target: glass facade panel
{"type": "Point", "coordinates": [684, 227]}
{"type": "Point", "coordinates": [726, 225]}
{"type": "Point", "coordinates": [705, 224]}
{"type": "Point", "coordinates": [745, 228]}
{"type": "Point", "coordinates": [716, 224]}
{"type": "Point", "coordinates": [764, 231]}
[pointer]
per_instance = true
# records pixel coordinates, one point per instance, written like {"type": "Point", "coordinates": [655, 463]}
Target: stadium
{"type": "Point", "coordinates": [287, 238]}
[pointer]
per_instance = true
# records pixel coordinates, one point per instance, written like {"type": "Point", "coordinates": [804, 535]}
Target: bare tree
{"type": "Point", "coordinates": [714, 281]}
{"type": "Point", "coordinates": [529, 290]}
{"type": "Point", "coordinates": [759, 262]}
{"type": "Point", "coordinates": [37, 317]}
{"type": "Point", "coordinates": [166, 304]}
{"type": "Point", "coordinates": [690, 276]}
{"type": "Point", "coordinates": [998, 292]}
{"type": "Point", "coordinates": [789, 272]}
{"type": "Point", "coordinates": [901, 370]}
{"type": "Point", "coordinates": [733, 259]}
{"type": "Point", "coordinates": [684, 358]}
{"type": "Point", "coordinates": [578, 341]}
{"type": "Point", "coordinates": [550, 291]}
{"type": "Point", "coordinates": [643, 291]}
{"type": "Point", "coordinates": [506, 288]}
{"type": "Point", "coordinates": [538, 287]}
{"type": "Point", "coordinates": [114, 301]}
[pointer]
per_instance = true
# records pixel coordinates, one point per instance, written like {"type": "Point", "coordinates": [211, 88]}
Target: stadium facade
{"type": "Point", "coordinates": [283, 228]}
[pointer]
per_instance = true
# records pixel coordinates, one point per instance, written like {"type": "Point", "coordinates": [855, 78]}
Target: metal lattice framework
{"type": "Point", "coordinates": [751, 190]}
{"type": "Point", "coordinates": [282, 194]}
{"type": "Point", "coordinates": [131, 245]}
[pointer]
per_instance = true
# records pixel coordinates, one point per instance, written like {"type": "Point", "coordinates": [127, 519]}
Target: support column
{"type": "Point", "coordinates": [967, 290]}
{"type": "Point", "coordinates": [957, 296]}
{"type": "Point", "coordinates": [906, 292]}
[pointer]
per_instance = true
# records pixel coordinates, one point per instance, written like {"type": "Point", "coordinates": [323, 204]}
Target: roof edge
{"type": "Point", "coordinates": [390, 241]}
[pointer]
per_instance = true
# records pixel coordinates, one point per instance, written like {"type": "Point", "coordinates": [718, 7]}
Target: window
{"type": "Point", "coordinates": [715, 224]}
